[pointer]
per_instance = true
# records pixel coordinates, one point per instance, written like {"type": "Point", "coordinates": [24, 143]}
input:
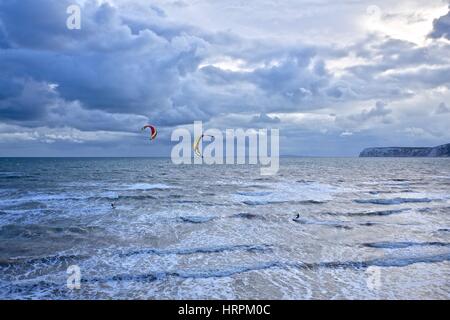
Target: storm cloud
{"type": "Point", "coordinates": [441, 27]}
{"type": "Point", "coordinates": [171, 63]}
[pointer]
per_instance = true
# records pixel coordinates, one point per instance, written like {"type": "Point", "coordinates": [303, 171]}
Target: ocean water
{"type": "Point", "coordinates": [367, 229]}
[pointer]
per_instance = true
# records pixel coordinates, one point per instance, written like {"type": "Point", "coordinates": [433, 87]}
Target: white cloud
{"type": "Point", "coordinates": [346, 134]}
{"type": "Point", "coordinates": [64, 134]}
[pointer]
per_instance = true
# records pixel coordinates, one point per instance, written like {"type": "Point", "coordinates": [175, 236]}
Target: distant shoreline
{"type": "Point", "coordinates": [440, 151]}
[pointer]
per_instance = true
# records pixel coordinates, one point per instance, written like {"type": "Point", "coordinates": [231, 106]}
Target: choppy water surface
{"type": "Point", "coordinates": [367, 228]}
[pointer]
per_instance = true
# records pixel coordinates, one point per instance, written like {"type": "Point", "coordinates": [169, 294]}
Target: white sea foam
{"type": "Point", "coordinates": [399, 198]}
{"type": "Point", "coordinates": [394, 200]}
{"type": "Point", "coordinates": [148, 186]}
{"type": "Point", "coordinates": [46, 197]}
{"type": "Point", "coordinates": [287, 192]}
{"type": "Point", "coordinates": [38, 197]}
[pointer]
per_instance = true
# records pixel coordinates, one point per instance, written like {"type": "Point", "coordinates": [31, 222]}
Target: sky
{"type": "Point", "coordinates": [333, 76]}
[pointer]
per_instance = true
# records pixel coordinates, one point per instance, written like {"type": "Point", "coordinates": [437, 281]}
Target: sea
{"type": "Point", "coordinates": [145, 228]}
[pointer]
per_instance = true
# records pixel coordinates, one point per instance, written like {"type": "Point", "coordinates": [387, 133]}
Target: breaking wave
{"type": "Point", "coordinates": [394, 201]}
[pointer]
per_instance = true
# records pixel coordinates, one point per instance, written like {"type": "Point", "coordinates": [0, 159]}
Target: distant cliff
{"type": "Point", "coordinates": [439, 151]}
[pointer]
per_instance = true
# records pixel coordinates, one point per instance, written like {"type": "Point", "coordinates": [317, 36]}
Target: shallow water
{"type": "Point", "coordinates": [367, 228]}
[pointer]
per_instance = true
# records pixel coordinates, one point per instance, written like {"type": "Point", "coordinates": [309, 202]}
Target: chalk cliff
{"type": "Point", "coordinates": [439, 151]}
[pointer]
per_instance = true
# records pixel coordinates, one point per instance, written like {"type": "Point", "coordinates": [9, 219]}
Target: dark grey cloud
{"type": "Point", "coordinates": [25, 100]}
{"type": "Point", "coordinates": [379, 111]}
{"type": "Point", "coordinates": [264, 119]}
{"type": "Point", "coordinates": [378, 116]}
{"type": "Point", "coordinates": [441, 27]}
{"type": "Point", "coordinates": [4, 43]}
{"type": "Point", "coordinates": [34, 104]}
{"type": "Point", "coordinates": [104, 66]}
{"type": "Point", "coordinates": [392, 69]}
{"type": "Point", "coordinates": [35, 24]}
{"type": "Point", "coordinates": [442, 108]}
